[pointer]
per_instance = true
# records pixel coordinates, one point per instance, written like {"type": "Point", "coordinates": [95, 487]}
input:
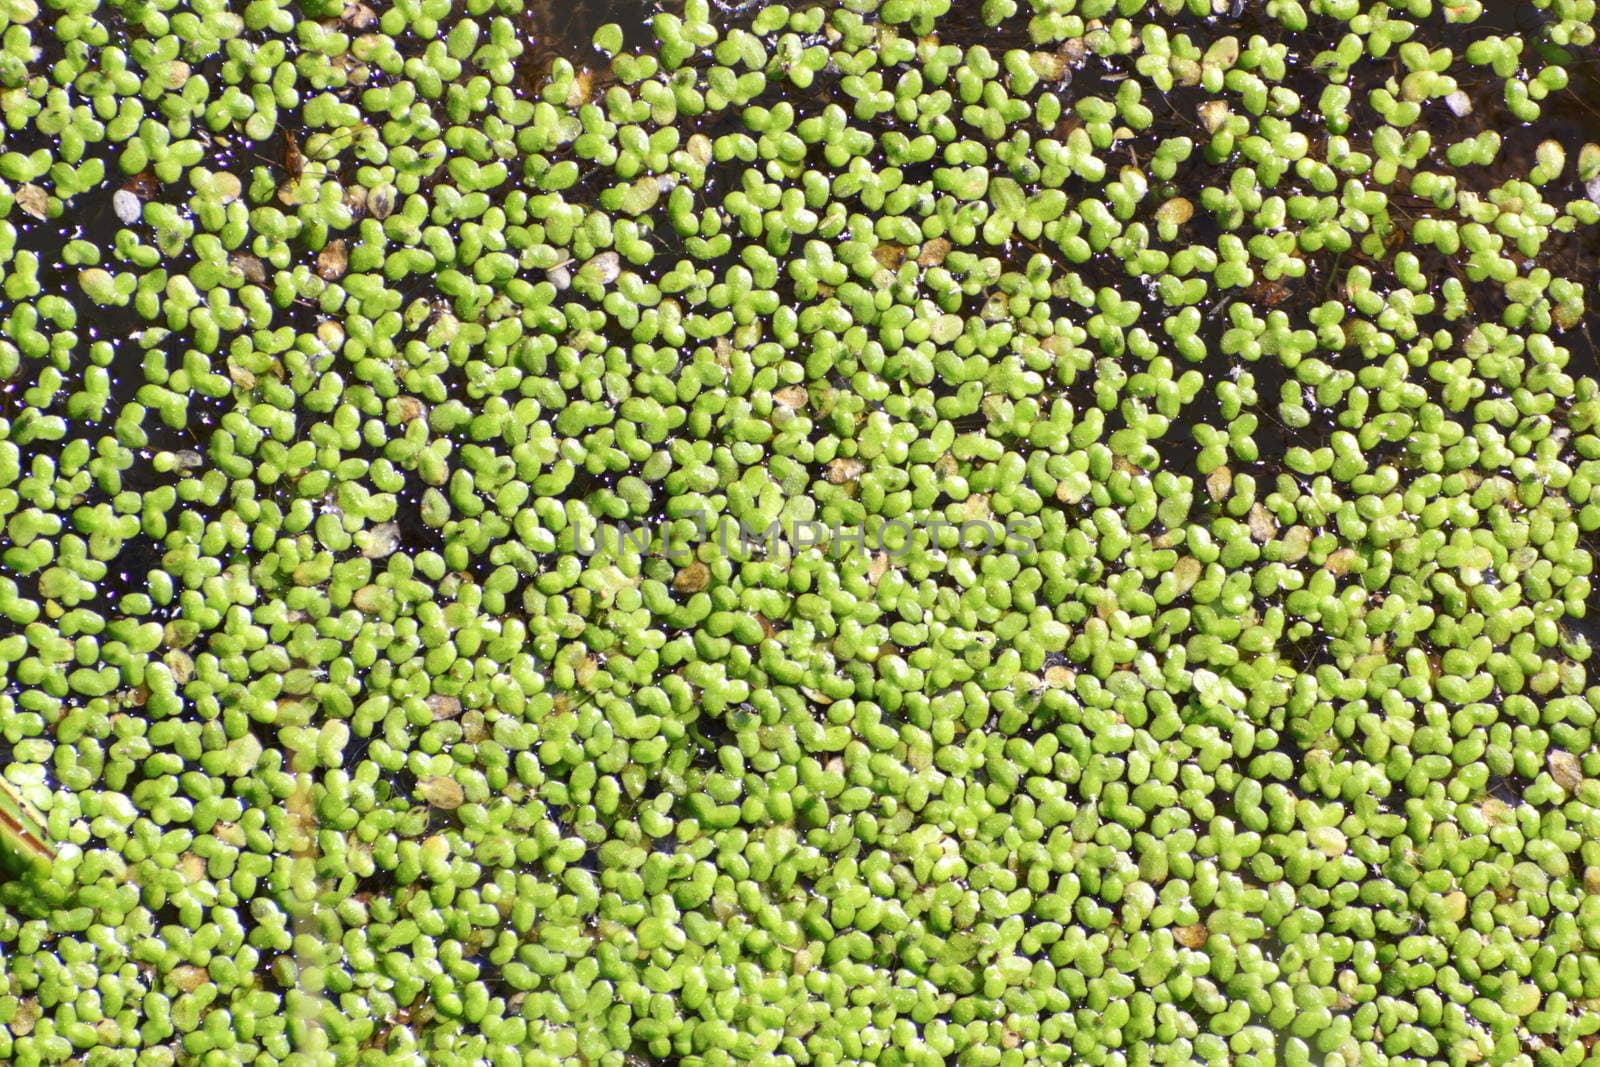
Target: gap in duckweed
{"type": "Point", "coordinates": [566, 29]}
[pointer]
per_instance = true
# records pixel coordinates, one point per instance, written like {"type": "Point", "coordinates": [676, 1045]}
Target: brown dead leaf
{"type": "Point", "coordinates": [380, 201]}
{"type": "Point", "coordinates": [933, 252]}
{"type": "Point", "coordinates": [441, 791]}
{"type": "Point", "coordinates": [254, 271]}
{"type": "Point", "coordinates": [1186, 572]}
{"type": "Point", "coordinates": [1268, 293]}
{"type": "Point", "coordinates": [582, 88]}
{"type": "Point", "coordinates": [1069, 493]}
{"type": "Point", "coordinates": [1213, 113]}
{"type": "Point", "coordinates": [1566, 769]}
{"type": "Point", "coordinates": [844, 470]}
{"type": "Point", "coordinates": [792, 396]}
{"type": "Point", "coordinates": [1340, 561]}
{"type": "Point", "coordinates": [33, 199]}
{"type": "Point", "coordinates": [444, 706]}
{"type": "Point", "coordinates": [333, 261]}
{"type": "Point", "coordinates": [188, 977]}
{"type": "Point", "coordinates": [179, 662]}
{"type": "Point", "coordinates": [1051, 67]}
{"type": "Point", "coordinates": [1219, 483]}
{"type": "Point", "coordinates": [143, 185]}
{"type": "Point", "coordinates": [24, 1016]}
{"type": "Point", "coordinates": [1296, 543]}
{"type": "Point", "coordinates": [369, 599]}
{"type": "Point", "coordinates": [358, 16]}
{"type": "Point", "coordinates": [1263, 524]}
{"type": "Point", "coordinates": [294, 161]}
{"type": "Point", "coordinates": [192, 866]}
{"type": "Point", "coordinates": [976, 509]}
{"type": "Point", "coordinates": [1176, 211]}
{"type": "Point", "coordinates": [604, 268]}
{"type": "Point", "coordinates": [1064, 126]}
{"type": "Point", "coordinates": [692, 578]}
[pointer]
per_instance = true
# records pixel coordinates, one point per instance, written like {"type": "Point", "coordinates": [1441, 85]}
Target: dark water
{"type": "Point", "coordinates": [567, 30]}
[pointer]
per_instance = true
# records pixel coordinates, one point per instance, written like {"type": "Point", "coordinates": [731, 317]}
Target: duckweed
{"type": "Point", "coordinates": [710, 532]}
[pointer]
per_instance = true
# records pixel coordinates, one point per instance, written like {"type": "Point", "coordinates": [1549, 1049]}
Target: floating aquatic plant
{"type": "Point", "coordinates": [905, 531]}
